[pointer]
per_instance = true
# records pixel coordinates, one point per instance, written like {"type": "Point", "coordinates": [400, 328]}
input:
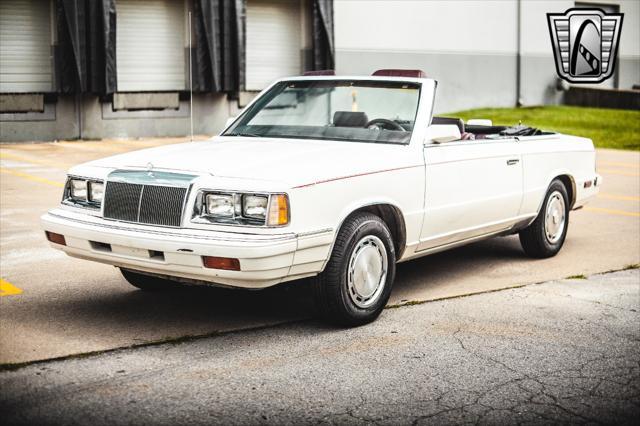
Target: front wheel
{"type": "Point", "coordinates": [546, 235]}
{"type": "Point", "coordinates": [356, 284]}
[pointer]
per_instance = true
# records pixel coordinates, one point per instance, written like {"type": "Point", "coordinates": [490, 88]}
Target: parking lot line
{"type": "Point", "coordinates": [31, 177]}
{"type": "Point", "coordinates": [8, 289]}
{"type": "Point", "coordinates": [618, 197]}
{"type": "Point", "coordinates": [110, 148]}
{"type": "Point", "coordinates": [618, 164]}
{"type": "Point", "coordinates": [617, 172]}
{"type": "Point", "coordinates": [14, 157]}
{"type": "Point", "coordinates": [614, 212]}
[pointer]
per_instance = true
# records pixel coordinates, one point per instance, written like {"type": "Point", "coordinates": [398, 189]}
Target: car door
{"type": "Point", "coordinates": [473, 188]}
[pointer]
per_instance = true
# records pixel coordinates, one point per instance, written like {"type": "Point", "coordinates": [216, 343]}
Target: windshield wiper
{"type": "Point", "coordinates": [246, 134]}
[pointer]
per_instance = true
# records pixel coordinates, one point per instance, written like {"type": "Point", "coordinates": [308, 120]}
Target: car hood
{"type": "Point", "coordinates": [290, 161]}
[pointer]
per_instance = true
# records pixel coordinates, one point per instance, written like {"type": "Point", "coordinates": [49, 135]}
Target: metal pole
{"type": "Point", "coordinates": [190, 82]}
{"type": "Point", "coordinates": [519, 55]}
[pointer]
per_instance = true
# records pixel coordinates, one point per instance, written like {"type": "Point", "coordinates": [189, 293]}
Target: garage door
{"type": "Point", "coordinates": [25, 54]}
{"type": "Point", "coordinates": [150, 48]}
{"type": "Point", "coordinates": [273, 41]}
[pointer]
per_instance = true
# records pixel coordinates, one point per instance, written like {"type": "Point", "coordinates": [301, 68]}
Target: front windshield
{"type": "Point", "coordinates": [344, 110]}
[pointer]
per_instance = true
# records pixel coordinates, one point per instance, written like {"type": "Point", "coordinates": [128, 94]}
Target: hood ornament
{"type": "Point", "coordinates": [150, 169]}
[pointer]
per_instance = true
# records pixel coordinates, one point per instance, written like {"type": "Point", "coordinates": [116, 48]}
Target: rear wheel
{"type": "Point", "coordinates": [147, 282]}
{"type": "Point", "coordinates": [356, 284]}
{"type": "Point", "coordinates": [546, 235]}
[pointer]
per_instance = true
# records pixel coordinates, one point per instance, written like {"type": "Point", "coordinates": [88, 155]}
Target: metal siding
{"type": "Point", "coordinates": [150, 45]}
{"type": "Point", "coordinates": [274, 41]}
{"type": "Point", "coordinates": [25, 54]}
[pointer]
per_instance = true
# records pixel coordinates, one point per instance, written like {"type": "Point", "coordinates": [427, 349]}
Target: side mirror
{"type": "Point", "coordinates": [439, 133]}
{"type": "Point", "coordinates": [230, 120]}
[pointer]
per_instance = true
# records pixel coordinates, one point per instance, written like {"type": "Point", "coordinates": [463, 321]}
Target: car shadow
{"type": "Point", "coordinates": [122, 312]}
{"type": "Point", "coordinates": [475, 258]}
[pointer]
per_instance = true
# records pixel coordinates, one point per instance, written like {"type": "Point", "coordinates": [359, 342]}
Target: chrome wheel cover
{"type": "Point", "coordinates": [555, 217]}
{"type": "Point", "coordinates": [367, 271]}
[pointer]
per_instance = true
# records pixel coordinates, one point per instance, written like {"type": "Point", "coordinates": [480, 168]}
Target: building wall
{"type": "Point", "coordinates": [470, 47]}
{"type": "Point", "coordinates": [451, 41]}
{"type": "Point", "coordinates": [538, 75]}
{"type": "Point", "coordinates": [473, 48]}
{"type": "Point", "coordinates": [57, 122]}
{"type": "Point", "coordinates": [62, 120]}
{"type": "Point", "coordinates": [209, 115]}
{"type": "Point", "coordinates": [88, 116]}
{"type": "Point", "coordinates": [629, 54]}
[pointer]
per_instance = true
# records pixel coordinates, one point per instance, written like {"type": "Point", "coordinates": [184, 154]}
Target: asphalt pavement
{"type": "Point", "coordinates": [55, 306]}
{"type": "Point", "coordinates": [561, 352]}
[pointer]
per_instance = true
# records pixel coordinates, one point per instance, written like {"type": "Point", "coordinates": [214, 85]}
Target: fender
{"type": "Point", "coordinates": [557, 173]}
{"type": "Point", "coordinates": [353, 207]}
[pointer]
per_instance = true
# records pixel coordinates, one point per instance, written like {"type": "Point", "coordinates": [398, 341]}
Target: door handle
{"type": "Point", "coordinates": [512, 161]}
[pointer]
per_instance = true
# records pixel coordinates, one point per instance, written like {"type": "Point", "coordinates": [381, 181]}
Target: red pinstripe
{"type": "Point", "coordinates": [356, 175]}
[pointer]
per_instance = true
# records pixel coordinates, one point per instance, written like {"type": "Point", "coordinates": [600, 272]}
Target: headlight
{"type": "Point", "coordinates": [255, 206]}
{"type": "Point", "coordinates": [220, 205]}
{"type": "Point", "coordinates": [241, 208]}
{"type": "Point", "coordinates": [80, 192]}
{"type": "Point", "coordinates": [96, 191]}
{"type": "Point", "coordinates": [78, 189]}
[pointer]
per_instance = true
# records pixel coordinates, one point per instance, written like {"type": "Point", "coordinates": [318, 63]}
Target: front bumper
{"type": "Point", "coordinates": [265, 260]}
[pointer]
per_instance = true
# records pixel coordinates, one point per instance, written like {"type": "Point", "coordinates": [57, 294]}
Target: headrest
{"type": "Point", "coordinates": [319, 72]}
{"type": "Point", "coordinates": [400, 73]}
{"type": "Point", "coordinates": [449, 120]}
{"type": "Point", "coordinates": [350, 119]}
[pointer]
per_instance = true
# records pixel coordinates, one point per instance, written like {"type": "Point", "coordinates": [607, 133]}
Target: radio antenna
{"type": "Point", "coordinates": [190, 82]}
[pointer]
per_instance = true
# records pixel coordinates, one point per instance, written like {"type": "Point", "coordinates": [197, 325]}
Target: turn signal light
{"type": "Point", "coordinates": [278, 210]}
{"type": "Point", "coordinates": [56, 238]}
{"type": "Point", "coordinates": [226, 263]}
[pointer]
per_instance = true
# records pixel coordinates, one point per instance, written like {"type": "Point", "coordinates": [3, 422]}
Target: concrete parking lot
{"type": "Point", "coordinates": [562, 352]}
{"type": "Point", "coordinates": [53, 306]}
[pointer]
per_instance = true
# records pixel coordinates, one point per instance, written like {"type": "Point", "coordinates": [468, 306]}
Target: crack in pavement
{"type": "Point", "coordinates": [494, 358]}
{"type": "Point", "coordinates": [524, 376]}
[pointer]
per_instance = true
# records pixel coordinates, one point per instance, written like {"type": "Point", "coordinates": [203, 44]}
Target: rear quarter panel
{"type": "Point", "coordinates": [547, 157]}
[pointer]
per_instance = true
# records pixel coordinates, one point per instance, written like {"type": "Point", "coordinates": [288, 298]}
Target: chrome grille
{"type": "Point", "coordinates": [121, 201]}
{"type": "Point", "coordinates": [162, 205]}
{"type": "Point", "coordinates": [151, 204]}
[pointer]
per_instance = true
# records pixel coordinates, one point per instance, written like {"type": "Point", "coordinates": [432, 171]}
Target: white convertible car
{"type": "Point", "coordinates": [337, 178]}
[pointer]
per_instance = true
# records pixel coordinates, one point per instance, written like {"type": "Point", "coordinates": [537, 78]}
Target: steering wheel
{"type": "Point", "coordinates": [385, 124]}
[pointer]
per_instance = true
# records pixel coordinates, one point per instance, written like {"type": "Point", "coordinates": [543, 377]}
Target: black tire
{"type": "Point", "coordinates": [534, 239]}
{"type": "Point", "coordinates": [148, 282]}
{"type": "Point", "coordinates": [331, 287]}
